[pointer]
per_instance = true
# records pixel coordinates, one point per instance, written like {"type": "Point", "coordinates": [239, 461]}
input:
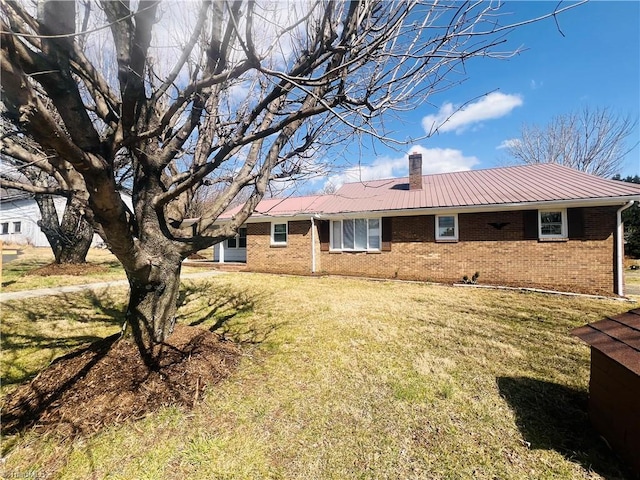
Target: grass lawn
{"type": "Point", "coordinates": [21, 274]}
{"type": "Point", "coordinates": [340, 379]}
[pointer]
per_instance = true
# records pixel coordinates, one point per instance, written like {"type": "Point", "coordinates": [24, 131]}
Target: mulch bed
{"type": "Point", "coordinates": [107, 383]}
{"type": "Point", "coordinates": [75, 269]}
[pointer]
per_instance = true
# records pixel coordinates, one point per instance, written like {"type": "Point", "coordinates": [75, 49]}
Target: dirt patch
{"type": "Point", "coordinates": [108, 383]}
{"type": "Point", "coordinates": [75, 269]}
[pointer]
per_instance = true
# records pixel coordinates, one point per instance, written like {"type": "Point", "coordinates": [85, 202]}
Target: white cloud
{"type": "Point", "coordinates": [508, 143]}
{"type": "Point", "coordinates": [535, 84]}
{"type": "Point", "coordinates": [434, 160]}
{"type": "Point", "coordinates": [455, 118]}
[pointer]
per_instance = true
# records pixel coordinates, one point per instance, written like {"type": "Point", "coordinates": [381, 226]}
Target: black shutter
{"type": "Point", "coordinates": [530, 224]}
{"type": "Point", "coordinates": [387, 229]}
{"type": "Point", "coordinates": [575, 221]}
{"type": "Point", "coordinates": [323, 233]}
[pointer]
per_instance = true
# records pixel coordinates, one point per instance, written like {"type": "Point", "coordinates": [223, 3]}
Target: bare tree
{"type": "Point", "coordinates": [70, 235]}
{"type": "Point", "coordinates": [589, 140]}
{"type": "Point", "coordinates": [250, 93]}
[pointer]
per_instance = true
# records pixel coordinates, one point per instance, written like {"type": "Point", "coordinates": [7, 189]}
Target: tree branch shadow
{"type": "Point", "coordinates": [225, 310]}
{"type": "Point", "coordinates": [551, 416]}
{"type": "Point", "coordinates": [66, 317]}
{"type": "Point", "coordinates": [31, 406]}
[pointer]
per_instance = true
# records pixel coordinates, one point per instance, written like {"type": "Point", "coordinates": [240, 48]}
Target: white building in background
{"type": "Point", "coordinates": [19, 216]}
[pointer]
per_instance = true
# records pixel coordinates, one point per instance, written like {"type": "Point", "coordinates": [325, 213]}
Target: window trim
{"type": "Point", "coordinates": [17, 227]}
{"type": "Point", "coordinates": [342, 248]}
{"type": "Point", "coordinates": [564, 230]}
{"type": "Point", "coordinates": [237, 239]}
{"type": "Point", "coordinates": [456, 233]}
{"type": "Point", "coordinates": [4, 228]}
{"type": "Point", "coordinates": [275, 243]}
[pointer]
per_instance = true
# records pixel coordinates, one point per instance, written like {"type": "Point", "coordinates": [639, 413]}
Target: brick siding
{"type": "Point", "coordinates": [502, 256]}
{"type": "Point", "coordinates": [294, 258]}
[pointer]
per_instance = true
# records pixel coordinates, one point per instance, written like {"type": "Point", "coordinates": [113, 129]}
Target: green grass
{"type": "Point", "coordinates": [341, 379]}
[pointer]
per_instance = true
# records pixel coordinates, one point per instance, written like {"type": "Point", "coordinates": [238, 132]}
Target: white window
{"type": "Point", "coordinates": [239, 241]}
{"type": "Point", "coordinates": [4, 228]}
{"type": "Point", "coordinates": [552, 223]}
{"type": "Point", "coordinates": [447, 228]}
{"type": "Point", "coordinates": [279, 233]}
{"type": "Point", "coordinates": [17, 227]}
{"type": "Point", "coordinates": [358, 234]}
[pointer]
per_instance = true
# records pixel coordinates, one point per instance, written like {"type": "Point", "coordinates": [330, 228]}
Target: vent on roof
{"type": "Point", "coordinates": [415, 171]}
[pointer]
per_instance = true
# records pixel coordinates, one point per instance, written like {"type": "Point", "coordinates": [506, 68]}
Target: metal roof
{"type": "Point", "coordinates": [514, 187]}
{"type": "Point", "coordinates": [282, 207]}
{"type": "Point", "coordinates": [474, 188]}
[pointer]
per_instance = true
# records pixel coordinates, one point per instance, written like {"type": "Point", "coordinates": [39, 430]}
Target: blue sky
{"type": "Point", "coordinates": [596, 63]}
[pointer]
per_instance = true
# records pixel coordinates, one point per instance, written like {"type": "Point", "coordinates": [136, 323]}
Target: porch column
{"type": "Point", "coordinates": [221, 252]}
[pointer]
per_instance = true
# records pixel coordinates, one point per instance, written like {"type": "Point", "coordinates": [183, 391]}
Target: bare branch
{"type": "Point", "coordinates": [26, 187]}
{"type": "Point", "coordinates": [589, 140]}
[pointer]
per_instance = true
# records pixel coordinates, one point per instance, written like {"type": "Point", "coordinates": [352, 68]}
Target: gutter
{"type": "Point", "coordinates": [313, 245]}
{"type": "Point", "coordinates": [439, 210]}
{"type": "Point", "coordinates": [620, 248]}
{"type": "Point", "coordinates": [494, 207]}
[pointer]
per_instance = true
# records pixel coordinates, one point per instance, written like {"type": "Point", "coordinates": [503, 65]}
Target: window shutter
{"type": "Point", "coordinates": [323, 233]}
{"type": "Point", "coordinates": [575, 221]}
{"type": "Point", "coordinates": [530, 224]}
{"type": "Point", "coordinates": [386, 234]}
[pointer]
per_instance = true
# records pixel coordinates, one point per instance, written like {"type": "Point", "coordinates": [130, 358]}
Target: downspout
{"type": "Point", "coordinates": [313, 245]}
{"type": "Point", "coordinates": [620, 248]}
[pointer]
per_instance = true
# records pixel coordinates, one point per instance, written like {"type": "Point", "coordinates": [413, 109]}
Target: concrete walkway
{"type": "Point", "coordinates": [43, 292]}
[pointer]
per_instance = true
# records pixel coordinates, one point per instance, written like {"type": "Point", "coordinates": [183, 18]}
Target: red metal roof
{"type": "Point", "coordinates": [282, 207]}
{"type": "Point", "coordinates": [617, 337]}
{"type": "Point", "coordinates": [495, 187]}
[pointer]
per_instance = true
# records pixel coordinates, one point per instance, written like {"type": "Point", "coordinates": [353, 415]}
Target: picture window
{"type": "Point", "coordinates": [358, 234]}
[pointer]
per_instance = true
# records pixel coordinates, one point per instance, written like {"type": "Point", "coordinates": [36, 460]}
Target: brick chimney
{"type": "Point", "coordinates": [415, 171]}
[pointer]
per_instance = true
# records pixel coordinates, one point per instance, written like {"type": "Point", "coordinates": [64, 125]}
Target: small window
{"type": "Point", "coordinates": [552, 223]}
{"type": "Point", "coordinates": [278, 234]}
{"type": "Point", "coordinates": [4, 228]}
{"type": "Point", "coordinates": [17, 227]}
{"type": "Point", "coordinates": [240, 240]}
{"type": "Point", "coordinates": [447, 228]}
{"type": "Point", "coordinates": [359, 234]}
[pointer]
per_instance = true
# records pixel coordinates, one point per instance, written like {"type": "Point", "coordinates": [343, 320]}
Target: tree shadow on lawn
{"type": "Point", "coordinates": [551, 416]}
{"type": "Point", "coordinates": [83, 308]}
{"type": "Point", "coordinates": [207, 302]}
{"type": "Point", "coordinates": [106, 382]}
{"type": "Point", "coordinates": [214, 306]}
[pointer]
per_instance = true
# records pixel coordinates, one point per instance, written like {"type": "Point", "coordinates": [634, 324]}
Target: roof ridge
{"type": "Point", "coordinates": [488, 169]}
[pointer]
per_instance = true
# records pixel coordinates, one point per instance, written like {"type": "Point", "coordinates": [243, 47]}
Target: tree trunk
{"type": "Point", "coordinates": [153, 298]}
{"type": "Point", "coordinates": [49, 224]}
{"type": "Point", "coordinates": [77, 233]}
{"type": "Point", "coordinates": [70, 239]}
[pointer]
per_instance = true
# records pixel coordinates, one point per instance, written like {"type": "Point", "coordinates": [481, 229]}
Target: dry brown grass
{"type": "Point", "coordinates": [33, 269]}
{"type": "Point", "coordinates": [347, 379]}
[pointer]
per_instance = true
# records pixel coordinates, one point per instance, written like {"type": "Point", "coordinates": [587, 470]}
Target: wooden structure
{"type": "Point", "coordinates": [614, 388]}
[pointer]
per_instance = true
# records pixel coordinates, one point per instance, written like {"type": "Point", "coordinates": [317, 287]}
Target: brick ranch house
{"type": "Point", "coordinates": [535, 226]}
